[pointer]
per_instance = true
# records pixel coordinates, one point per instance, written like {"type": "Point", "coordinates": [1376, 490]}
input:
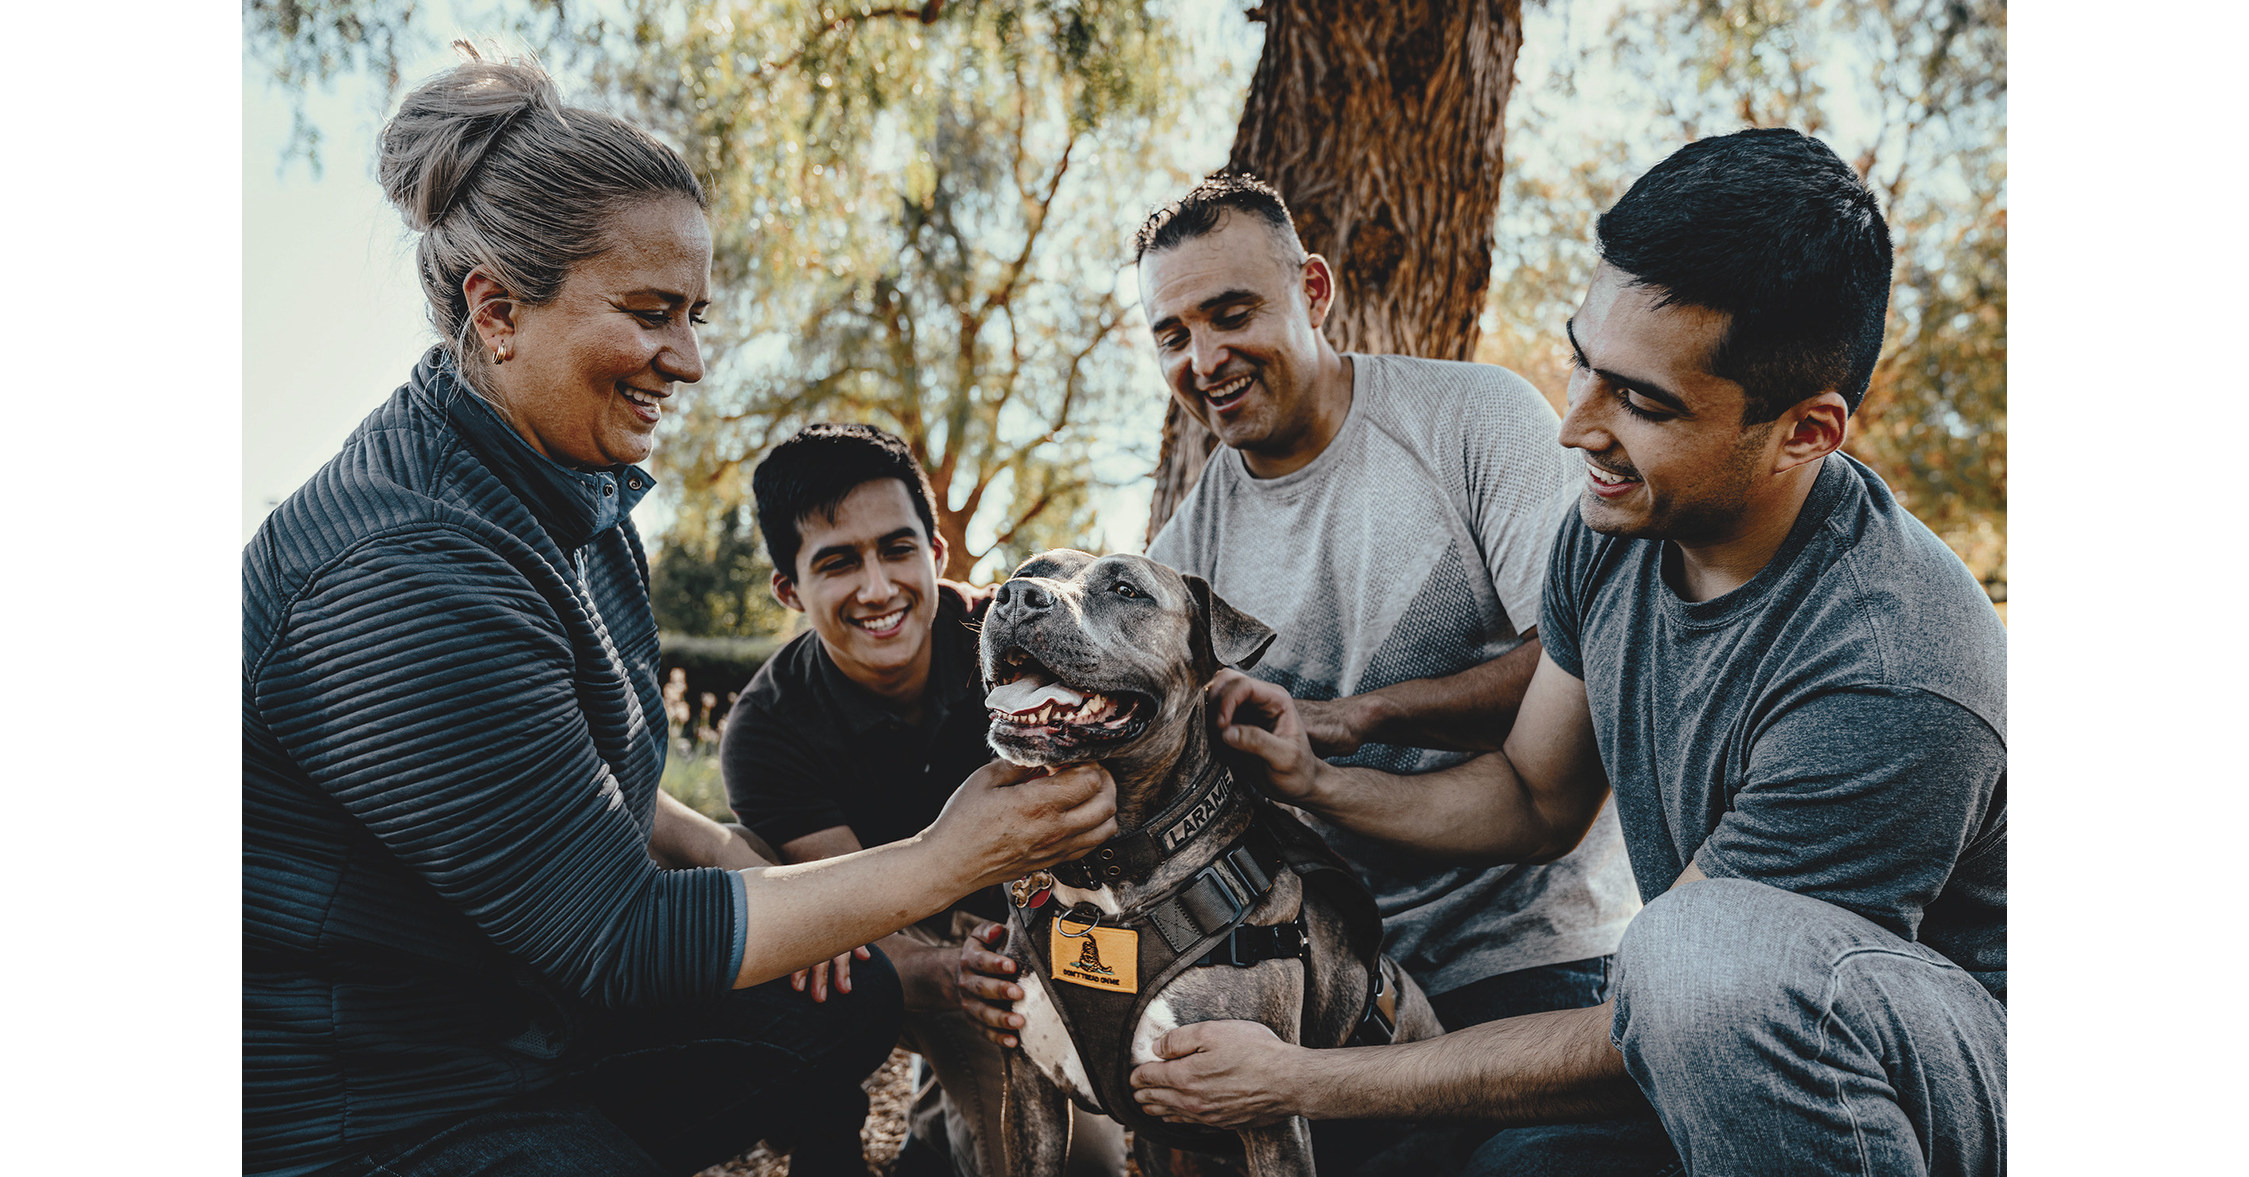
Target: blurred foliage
{"type": "Point", "coordinates": [714, 669]}
{"type": "Point", "coordinates": [693, 776]}
{"type": "Point", "coordinates": [919, 217]}
{"type": "Point", "coordinates": [921, 211]}
{"type": "Point", "coordinates": [1911, 92]}
{"type": "Point", "coordinates": [307, 43]}
{"type": "Point", "coordinates": [719, 588]}
{"type": "Point", "coordinates": [692, 768]}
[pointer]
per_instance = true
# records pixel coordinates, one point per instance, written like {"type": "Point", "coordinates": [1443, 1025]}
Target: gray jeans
{"type": "Point", "coordinates": [1779, 1034]}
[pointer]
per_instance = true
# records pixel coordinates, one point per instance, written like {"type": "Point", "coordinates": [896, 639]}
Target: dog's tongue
{"type": "Point", "coordinates": [1029, 694]}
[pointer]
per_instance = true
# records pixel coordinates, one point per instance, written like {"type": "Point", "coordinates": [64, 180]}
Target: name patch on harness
{"type": "Point", "coordinates": [1098, 958]}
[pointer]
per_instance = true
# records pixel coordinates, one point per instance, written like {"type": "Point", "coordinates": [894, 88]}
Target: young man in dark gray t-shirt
{"type": "Point", "coordinates": [1797, 694]}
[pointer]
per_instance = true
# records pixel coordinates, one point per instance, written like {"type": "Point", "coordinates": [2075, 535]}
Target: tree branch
{"type": "Point", "coordinates": [926, 14]}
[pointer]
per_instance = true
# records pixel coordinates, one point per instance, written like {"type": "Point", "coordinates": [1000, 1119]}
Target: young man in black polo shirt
{"type": "Point", "coordinates": [857, 732]}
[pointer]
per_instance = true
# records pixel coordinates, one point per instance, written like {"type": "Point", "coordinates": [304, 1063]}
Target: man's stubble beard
{"type": "Point", "coordinates": [1714, 517]}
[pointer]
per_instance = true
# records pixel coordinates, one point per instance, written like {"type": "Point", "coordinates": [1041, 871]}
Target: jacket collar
{"type": "Point", "coordinates": [573, 505]}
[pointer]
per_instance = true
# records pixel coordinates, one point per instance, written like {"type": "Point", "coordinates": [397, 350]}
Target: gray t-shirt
{"type": "Point", "coordinates": [1415, 547]}
{"type": "Point", "coordinates": [1836, 727]}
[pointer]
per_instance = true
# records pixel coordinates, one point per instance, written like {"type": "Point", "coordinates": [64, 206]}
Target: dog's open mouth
{"type": "Point", "coordinates": [1039, 719]}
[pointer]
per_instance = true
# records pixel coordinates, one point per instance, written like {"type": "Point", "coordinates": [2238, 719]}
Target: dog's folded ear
{"type": "Point", "coordinates": [1224, 635]}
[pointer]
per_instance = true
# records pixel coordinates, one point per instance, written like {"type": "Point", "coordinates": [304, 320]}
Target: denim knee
{"type": "Point", "coordinates": [1705, 966]}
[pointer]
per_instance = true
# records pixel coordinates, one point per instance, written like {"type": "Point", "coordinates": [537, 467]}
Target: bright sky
{"type": "Point", "coordinates": [331, 316]}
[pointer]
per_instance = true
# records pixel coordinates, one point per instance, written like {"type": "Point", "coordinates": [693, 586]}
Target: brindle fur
{"type": "Point", "coordinates": [1061, 607]}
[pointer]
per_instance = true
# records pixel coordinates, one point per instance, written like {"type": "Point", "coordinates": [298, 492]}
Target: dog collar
{"type": "Point", "coordinates": [1131, 858]}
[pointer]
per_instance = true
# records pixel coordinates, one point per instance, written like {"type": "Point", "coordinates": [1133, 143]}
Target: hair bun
{"type": "Point", "coordinates": [432, 146]}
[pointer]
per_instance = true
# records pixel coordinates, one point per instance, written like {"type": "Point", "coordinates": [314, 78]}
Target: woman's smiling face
{"type": "Point", "coordinates": [588, 374]}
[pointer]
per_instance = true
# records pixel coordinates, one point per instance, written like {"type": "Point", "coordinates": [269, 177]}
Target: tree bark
{"type": "Point", "coordinates": [1381, 125]}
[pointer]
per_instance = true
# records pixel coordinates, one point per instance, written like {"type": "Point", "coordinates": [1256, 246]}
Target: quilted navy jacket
{"type": "Point", "coordinates": [451, 738]}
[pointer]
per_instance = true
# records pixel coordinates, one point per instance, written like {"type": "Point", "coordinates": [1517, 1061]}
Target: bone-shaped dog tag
{"type": "Point", "coordinates": [1097, 958]}
{"type": "Point", "coordinates": [1032, 889]}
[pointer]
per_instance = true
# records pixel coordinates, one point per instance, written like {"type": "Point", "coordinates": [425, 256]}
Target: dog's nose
{"type": "Point", "coordinates": [1023, 596]}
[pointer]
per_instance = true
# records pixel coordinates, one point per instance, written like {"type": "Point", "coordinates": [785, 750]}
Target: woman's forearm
{"type": "Point", "coordinates": [805, 913]}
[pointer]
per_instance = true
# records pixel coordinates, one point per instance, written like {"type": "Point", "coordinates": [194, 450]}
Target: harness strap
{"type": "Point", "coordinates": [1378, 1023]}
{"type": "Point", "coordinates": [1199, 924]}
{"type": "Point", "coordinates": [1217, 896]}
{"type": "Point", "coordinates": [1250, 944]}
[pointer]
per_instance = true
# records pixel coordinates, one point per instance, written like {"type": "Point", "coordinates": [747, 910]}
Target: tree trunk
{"type": "Point", "coordinates": [1381, 126]}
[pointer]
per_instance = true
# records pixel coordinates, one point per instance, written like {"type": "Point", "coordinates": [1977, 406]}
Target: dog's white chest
{"type": "Point", "coordinates": [1155, 1021]}
{"type": "Point", "coordinates": [1046, 1041]}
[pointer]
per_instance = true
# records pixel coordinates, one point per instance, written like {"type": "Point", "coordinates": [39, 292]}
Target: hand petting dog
{"type": "Point", "coordinates": [1010, 819]}
{"type": "Point", "coordinates": [987, 995]}
{"type": "Point", "coordinates": [1224, 1074]}
{"type": "Point", "coordinates": [1258, 718]}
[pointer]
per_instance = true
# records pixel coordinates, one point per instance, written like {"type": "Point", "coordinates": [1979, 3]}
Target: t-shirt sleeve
{"type": "Point", "coordinates": [1560, 610]}
{"type": "Point", "coordinates": [1516, 467]}
{"type": "Point", "coordinates": [1863, 797]}
{"type": "Point", "coordinates": [1175, 546]}
{"type": "Point", "coordinates": [774, 782]}
{"type": "Point", "coordinates": [425, 685]}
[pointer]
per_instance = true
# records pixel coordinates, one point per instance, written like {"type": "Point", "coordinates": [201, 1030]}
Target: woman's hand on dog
{"type": "Point", "coordinates": [1260, 719]}
{"type": "Point", "coordinates": [1224, 1074]}
{"type": "Point", "coordinates": [1008, 820]}
{"type": "Point", "coordinates": [986, 992]}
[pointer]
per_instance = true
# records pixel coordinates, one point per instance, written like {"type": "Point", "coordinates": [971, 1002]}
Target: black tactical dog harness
{"type": "Point", "coordinates": [1195, 924]}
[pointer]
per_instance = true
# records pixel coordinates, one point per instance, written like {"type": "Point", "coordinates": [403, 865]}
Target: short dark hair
{"type": "Point", "coordinates": [816, 469]}
{"type": "Point", "coordinates": [1205, 205]}
{"type": "Point", "coordinates": [1769, 227]}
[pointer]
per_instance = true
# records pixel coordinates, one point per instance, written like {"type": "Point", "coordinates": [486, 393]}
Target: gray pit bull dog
{"type": "Point", "coordinates": [1210, 903]}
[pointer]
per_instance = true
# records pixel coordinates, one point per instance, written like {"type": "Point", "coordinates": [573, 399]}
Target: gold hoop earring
{"type": "Point", "coordinates": [500, 354]}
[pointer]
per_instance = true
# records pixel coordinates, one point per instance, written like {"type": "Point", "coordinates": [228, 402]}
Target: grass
{"type": "Point", "coordinates": [691, 771]}
{"type": "Point", "coordinates": [692, 775]}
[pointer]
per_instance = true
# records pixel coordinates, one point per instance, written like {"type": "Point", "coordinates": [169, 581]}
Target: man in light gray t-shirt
{"type": "Point", "coordinates": [1390, 517]}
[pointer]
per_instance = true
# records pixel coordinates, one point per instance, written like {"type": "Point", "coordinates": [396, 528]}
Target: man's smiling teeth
{"type": "Point", "coordinates": [1227, 389]}
{"type": "Point", "coordinates": [640, 398]}
{"type": "Point", "coordinates": [883, 622]}
{"type": "Point", "coordinates": [1603, 476]}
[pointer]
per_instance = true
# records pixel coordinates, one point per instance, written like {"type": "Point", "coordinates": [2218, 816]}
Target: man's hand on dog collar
{"type": "Point", "coordinates": [986, 993]}
{"type": "Point", "coordinates": [1260, 719]}
{"type": "Point", "coordinates": [1224, 1074]}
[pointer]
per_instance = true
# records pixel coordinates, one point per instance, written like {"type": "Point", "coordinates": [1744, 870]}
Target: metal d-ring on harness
{"type": "Point", "coordinates": [1199, 924]}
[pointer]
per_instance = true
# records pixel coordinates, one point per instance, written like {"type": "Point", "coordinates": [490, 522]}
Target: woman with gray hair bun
{"type": "Point", "coordinates": [477, 938]}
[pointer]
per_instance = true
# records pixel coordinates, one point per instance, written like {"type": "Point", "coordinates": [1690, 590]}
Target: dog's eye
{"type": "Point", "coordinates": [1124, 589]}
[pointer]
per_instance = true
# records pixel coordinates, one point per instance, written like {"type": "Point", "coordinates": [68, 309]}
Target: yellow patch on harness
{"type": "Point", "coordinates": [1097, 958]}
